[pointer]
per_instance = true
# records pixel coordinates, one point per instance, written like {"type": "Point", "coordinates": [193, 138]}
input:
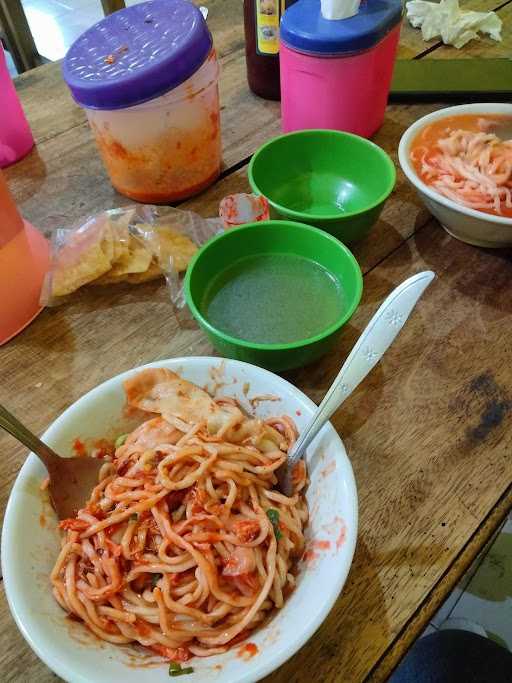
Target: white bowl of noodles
{"type": "Point", "coordinates": [31, 540]}
{"type": "Point", "coordinates": [467, 224]}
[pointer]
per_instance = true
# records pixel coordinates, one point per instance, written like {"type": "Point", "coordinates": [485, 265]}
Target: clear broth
{"type": "Point", "coordinates": [273, 299]}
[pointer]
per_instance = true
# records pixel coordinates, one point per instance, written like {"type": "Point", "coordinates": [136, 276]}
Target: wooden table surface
{"type": "Point", "coordinates": [427, 432]}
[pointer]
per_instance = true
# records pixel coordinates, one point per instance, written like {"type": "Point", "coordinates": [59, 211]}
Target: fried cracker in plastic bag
{"type": "Point", "coordinates": [133, 244]}
{"type": "Point", "coordinates": [138, 243]}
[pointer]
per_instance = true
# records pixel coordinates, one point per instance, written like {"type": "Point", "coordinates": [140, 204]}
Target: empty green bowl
{"type": "Point", "coordinates": [233, 257]}
{"type": "Point", "coordinates": [335, 181]}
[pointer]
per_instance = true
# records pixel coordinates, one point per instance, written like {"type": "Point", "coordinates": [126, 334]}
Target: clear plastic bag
{"type": "Point", "coordinates": [133, 244]}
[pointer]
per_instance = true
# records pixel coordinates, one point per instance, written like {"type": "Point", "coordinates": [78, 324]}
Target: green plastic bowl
{"type": "Point", "coordinates": [272, 237]}
{"type": "Point", "coordinates": [335, 181]}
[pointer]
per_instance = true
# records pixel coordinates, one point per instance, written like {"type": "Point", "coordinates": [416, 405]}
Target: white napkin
{"type": "Point", "coordinates": [339, 9]}
{"type": "Point", "coordinates": [455, 26]}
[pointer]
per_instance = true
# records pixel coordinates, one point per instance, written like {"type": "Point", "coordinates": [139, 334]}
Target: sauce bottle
{"type": "Point", "coordinates": [261, 21]}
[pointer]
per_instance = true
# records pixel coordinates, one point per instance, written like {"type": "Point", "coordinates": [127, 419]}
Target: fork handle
{"type": "Point", "coordinates": [12, 425]}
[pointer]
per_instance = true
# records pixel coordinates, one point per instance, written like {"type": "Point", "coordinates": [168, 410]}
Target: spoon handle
{"type": "Point", "coordinates": [26, 437]}
{"type": "Point", "coordinates": [377, 337]}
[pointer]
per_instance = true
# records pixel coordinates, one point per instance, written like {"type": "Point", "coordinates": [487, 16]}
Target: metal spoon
{"type": "Point", "coordinates": [71, 479]}
{"type": "Point", "coordinates": [377, 337]}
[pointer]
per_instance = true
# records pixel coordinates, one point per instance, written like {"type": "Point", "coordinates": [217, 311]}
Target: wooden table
{"type": "Point", "coordinates": [426, 432]}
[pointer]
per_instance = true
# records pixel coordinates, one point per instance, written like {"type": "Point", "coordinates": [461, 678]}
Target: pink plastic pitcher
{"type": "Point", "coordinates": [15, 135]}
{"type": "Point", "coordinates": [336, 73]}
{"type": "Point", "coordinates": [24, 258]}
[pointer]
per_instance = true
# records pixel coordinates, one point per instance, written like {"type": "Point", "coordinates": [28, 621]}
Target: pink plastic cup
{"type": "Point", "coordinates": [15, 135]}
{"type": "Point", "coordinates": [337, 74]}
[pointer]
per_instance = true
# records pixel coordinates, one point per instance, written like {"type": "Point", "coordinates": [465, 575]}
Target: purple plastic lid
{"type": "Point", "coordinates": [136, 54]}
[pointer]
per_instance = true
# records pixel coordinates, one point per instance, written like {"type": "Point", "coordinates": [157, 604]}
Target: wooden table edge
{"type": "Point", "coordinates": [412, 629]}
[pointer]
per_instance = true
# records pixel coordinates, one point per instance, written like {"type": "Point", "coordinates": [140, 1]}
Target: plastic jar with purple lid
{"type": "Point", "coordinates": [147, 77]}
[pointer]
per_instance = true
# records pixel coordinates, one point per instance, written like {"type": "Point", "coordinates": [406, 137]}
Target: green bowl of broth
{"type": "Point", "coordinates": [274, 293]}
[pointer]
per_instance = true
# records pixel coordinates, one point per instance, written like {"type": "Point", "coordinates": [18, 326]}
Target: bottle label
{"type": "Point", "coordinates": [268, 15]}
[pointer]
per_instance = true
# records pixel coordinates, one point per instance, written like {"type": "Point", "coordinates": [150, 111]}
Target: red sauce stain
{"type": "Point", "coordinates": [309, 557]}
{"type": "Point", "coordinates": [79, 448]}
{"type": "Point", "coordinates": [297, 412]}
{"type": "Point", "coordinates": [103, 448]}
{"type": "Point", "coordinates": [321, 545]}
{"type": "Point", "coordinates": [215, 125]}
{"type": "Point", "coordinates": [73, 617]}
{"type": "Point", "coordinates": [239, 638]}
{"type": "Point", "coordinates": [117, 149]}
{"type": "Point", "coordinates": [166, 197]}
{"type": "Point", "coordinates": [178, 654]}
{"type": "Point", "coordinates": [42, 520]}
{"type": "Point", "coordinates": [247, 651]}
{"type": "Point", "coordinates": [342, 534]}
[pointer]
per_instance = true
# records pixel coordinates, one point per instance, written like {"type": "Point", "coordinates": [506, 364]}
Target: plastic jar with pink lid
{"type": "Point", "coordinates": [147, 77]}
{"type": "Point", "coordinates": [337, 73]}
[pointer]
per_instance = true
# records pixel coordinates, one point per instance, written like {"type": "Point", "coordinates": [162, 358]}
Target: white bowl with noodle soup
{"type": "Point", "coordinates": [31, 538]}
{"type": "Point", "coordinates": [470, 225]}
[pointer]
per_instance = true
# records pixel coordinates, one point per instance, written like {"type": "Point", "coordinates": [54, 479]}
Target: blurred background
{"type": "Point", "coordinates": [35, 31]}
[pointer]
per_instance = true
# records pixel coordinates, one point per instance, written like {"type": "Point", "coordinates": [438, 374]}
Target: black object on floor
{"type": "Point", "coordinates": [454, 656]}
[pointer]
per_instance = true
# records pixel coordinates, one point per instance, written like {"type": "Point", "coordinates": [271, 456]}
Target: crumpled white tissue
{"type": "Point", "coordinates": [339, 9]}
{"type": "Point", "coordinates": [455, 26]}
